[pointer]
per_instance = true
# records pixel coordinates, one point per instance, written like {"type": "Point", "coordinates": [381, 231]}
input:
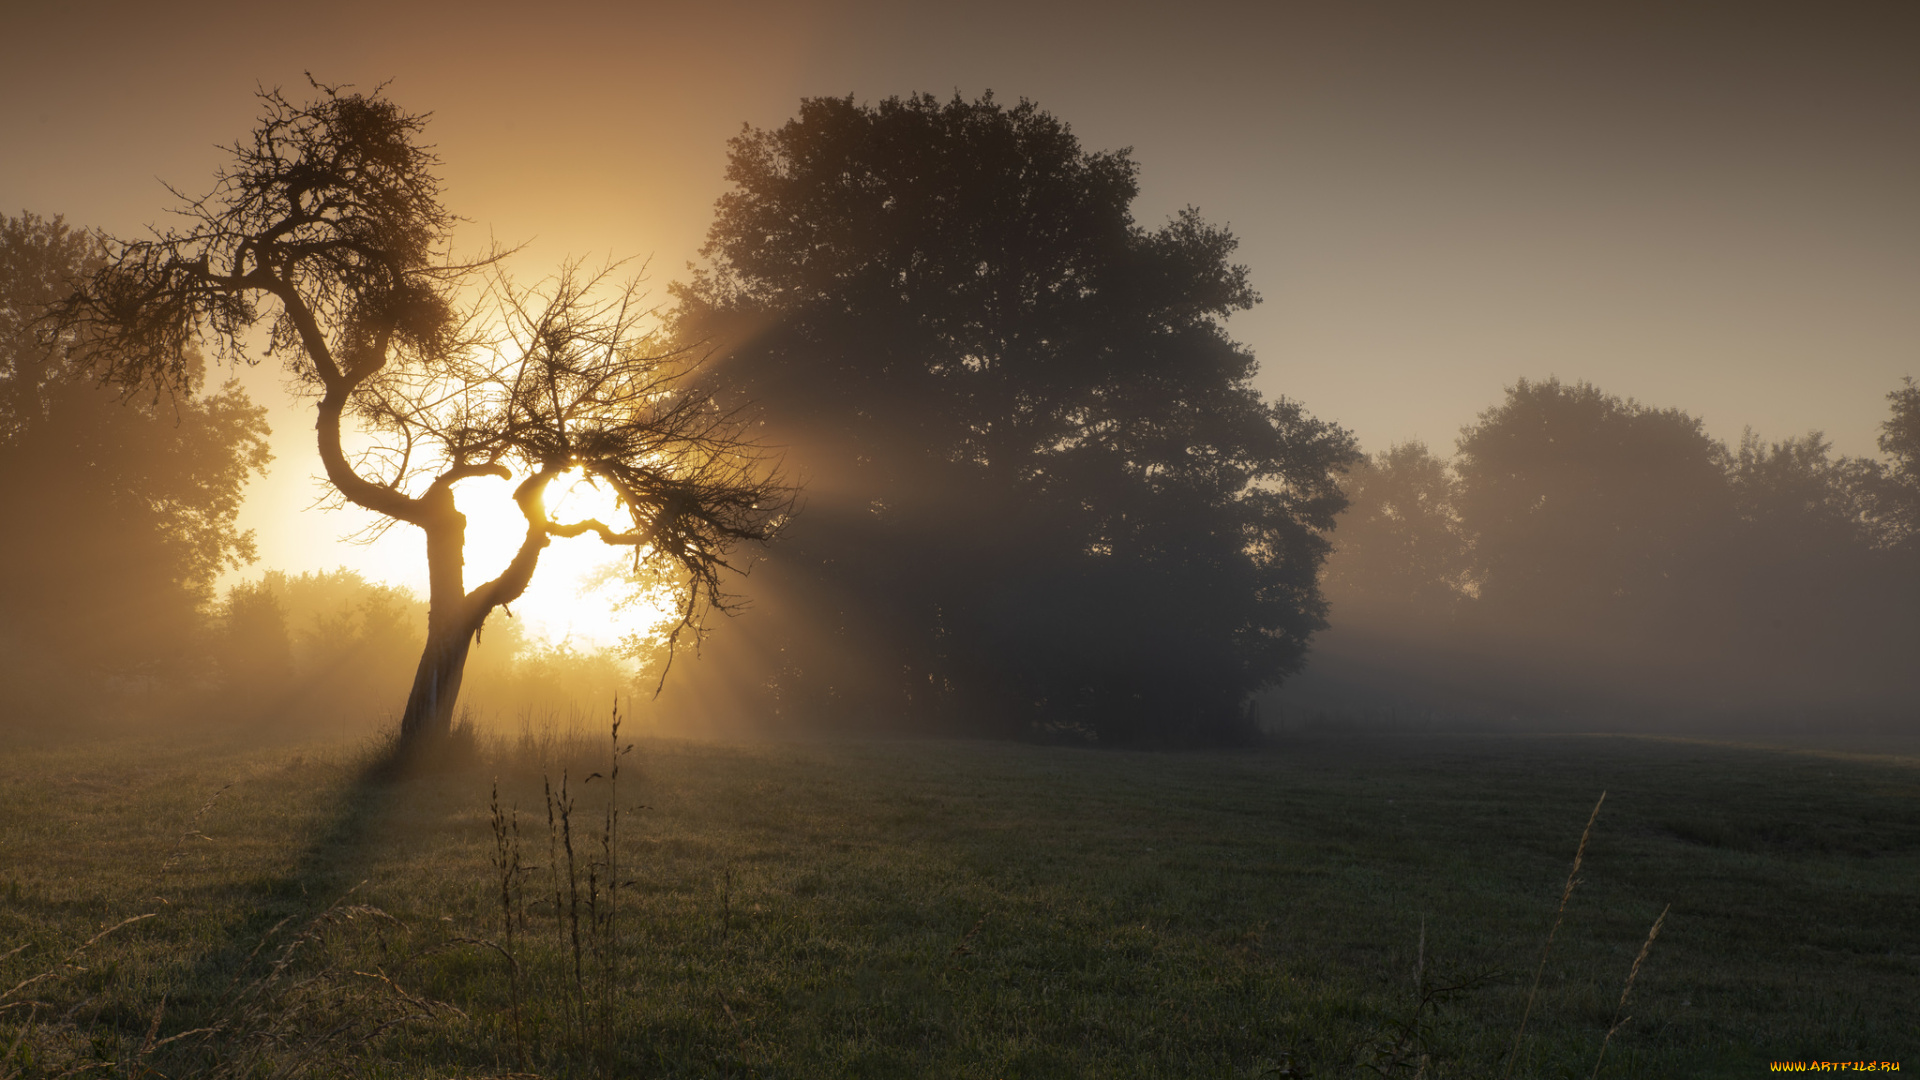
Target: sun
{"type": "Point", "coordinates": [578, 594]}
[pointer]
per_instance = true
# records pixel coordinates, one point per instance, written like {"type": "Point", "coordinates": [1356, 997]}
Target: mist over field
{"type": "Point", "coordinates": [1584, 561]}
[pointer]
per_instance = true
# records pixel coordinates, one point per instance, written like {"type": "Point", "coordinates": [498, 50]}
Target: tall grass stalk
{"type": "Point", "coordinates": [570, 923]}
{"type": "Point", "coordinates": [610, 850]}
{"type": "Point", "coordinates": [1620, 1017]}
{"type": "Point", "coordinates": [506, 856]}
{"type": "Point", "coordinates": [1573, 879]}
{"type": "Point", "coordinates": [192, 831]}
{"type": "Point", "coordinates": [553, 850]}
{"type": "Point", "coordinates": [590, 947]}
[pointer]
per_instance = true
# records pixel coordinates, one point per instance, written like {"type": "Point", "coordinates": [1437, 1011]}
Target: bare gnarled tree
{"type": "Point", "coordinates": [328, 225]}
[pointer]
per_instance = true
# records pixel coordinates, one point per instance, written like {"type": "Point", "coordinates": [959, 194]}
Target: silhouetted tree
{"type": "Point", "coordinates": [327, 225]}
{"type": "Point", "coordinates": [1581, 506]}
{"type": "Point", "coordinates": [1044, 492]}
{"type": "Point", "coordinates": [119, 512]}
{"type": "Point", "coordinates": [1798, 586]}
{"type": "Point", "coordinates": [1798, 496]}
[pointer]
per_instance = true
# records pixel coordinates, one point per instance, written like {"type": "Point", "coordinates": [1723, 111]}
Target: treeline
{"type": "Point", "coordinates": [1042, 497]}
{"type": "Point", "coordinates": [1587, 556]}
{"type": "Point", "coordinates": [323, 651]}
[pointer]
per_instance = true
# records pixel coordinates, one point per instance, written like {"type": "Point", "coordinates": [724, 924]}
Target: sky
{"type": "Point", "coordinates": [1712, 207]}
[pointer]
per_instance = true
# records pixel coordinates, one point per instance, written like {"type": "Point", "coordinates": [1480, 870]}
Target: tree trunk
{"type": "Point", "coordinates": [453, 616]}
{"type": "Point", "coordinates": [436, 686]}
{"type": "Point", "coordinates": [450, 622]}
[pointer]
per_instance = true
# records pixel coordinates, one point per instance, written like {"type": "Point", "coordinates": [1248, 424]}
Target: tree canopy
{"type": "Point", "coordinates": [1043, 491]}
{"type": "Point", "coordinates": [327, 227]}
{"type": "Point", "coordinates": [1580, 503]}
{"type": "Point", "coordinates": [121, 512]}
{"type": "Point", "coordinates": [1899, 498]}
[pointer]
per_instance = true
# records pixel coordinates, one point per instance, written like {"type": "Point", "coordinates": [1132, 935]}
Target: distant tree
{"type": "Point", "coordinates": [322, 647]}
{"type": "Point", "coordinates": [354, 639]}
{"type": "Point", "coordinates": [328, 226]}
{"type": "Point", "coordinates": [1898, 499]}
{"type": "Point", "coordinates": [1808, 582]}
{"type": "Point", "coordinates": [254, 650]}
{"type": "Point", "coordinates": [1583, 507]}
{"type": "Point", "coordinates": [1900, 434]}
{"type": "Point", "coordinates": [121, 511]}
{"type": "Point", "coordinates": [1044, 491]}
{"type": "Point", "coordinates": [1801, 498]}
{"type": "Point", "coordinates": [1399, 547]}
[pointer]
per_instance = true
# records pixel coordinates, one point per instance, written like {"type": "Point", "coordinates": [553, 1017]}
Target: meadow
{"type": "Point", "coordinates": [1329, 906]}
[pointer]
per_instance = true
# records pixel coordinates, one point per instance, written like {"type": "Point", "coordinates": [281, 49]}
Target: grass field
{"type": "Point", "coordinates": [895, 909]}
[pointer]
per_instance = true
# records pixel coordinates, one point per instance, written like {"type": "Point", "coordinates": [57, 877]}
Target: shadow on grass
{"type": "Point", "coordinates": [323, 877]}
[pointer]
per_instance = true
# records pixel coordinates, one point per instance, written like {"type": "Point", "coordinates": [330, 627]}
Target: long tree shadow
{"type": "Point", "coordinates": [344, 846]}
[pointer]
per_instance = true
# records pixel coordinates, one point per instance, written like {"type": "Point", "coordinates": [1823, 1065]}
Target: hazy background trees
{"type": "Point", "coordinates": [1043, 494]}
{"type": "Point", "coordinates": [119, 510]}
{"type": "Point", "coordinates": [1402, 553]}
{"type": "Point", "coordinates": [331, 653]}
{"type": "Point", "coordinates": [1585, 556]}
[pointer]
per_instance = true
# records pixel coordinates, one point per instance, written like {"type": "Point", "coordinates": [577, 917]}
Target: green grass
{"type": "Point", "coordinates": [894, 909]}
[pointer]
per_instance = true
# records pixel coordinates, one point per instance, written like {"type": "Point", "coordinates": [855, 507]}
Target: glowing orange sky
{"type": "Point", "coordinates": [1695, 205]}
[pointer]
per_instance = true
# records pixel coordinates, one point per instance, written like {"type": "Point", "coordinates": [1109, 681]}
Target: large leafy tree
{"type": "Point", "coordinates": [1584, 507]}
{"type": "Point", "coordinates": [120, 512]}
{"type": "Point", "coordinates": [327, 227]}
{"type": "Point", "coordinates": [1043, 490]}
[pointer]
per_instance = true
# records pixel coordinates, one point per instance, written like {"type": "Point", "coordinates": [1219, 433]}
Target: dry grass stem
{"type": "Point", "coordinates": [1620, 1011]}
{"type": "Point", "coordinates": [1573, 879]}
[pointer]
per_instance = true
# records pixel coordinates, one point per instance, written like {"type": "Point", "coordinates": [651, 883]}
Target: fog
{"type": "Point", "coordinates": [1582, 561]}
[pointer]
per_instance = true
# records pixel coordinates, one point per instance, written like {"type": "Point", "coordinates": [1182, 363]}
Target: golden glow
{"type": "Point", "coordinates": [578, 589]}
